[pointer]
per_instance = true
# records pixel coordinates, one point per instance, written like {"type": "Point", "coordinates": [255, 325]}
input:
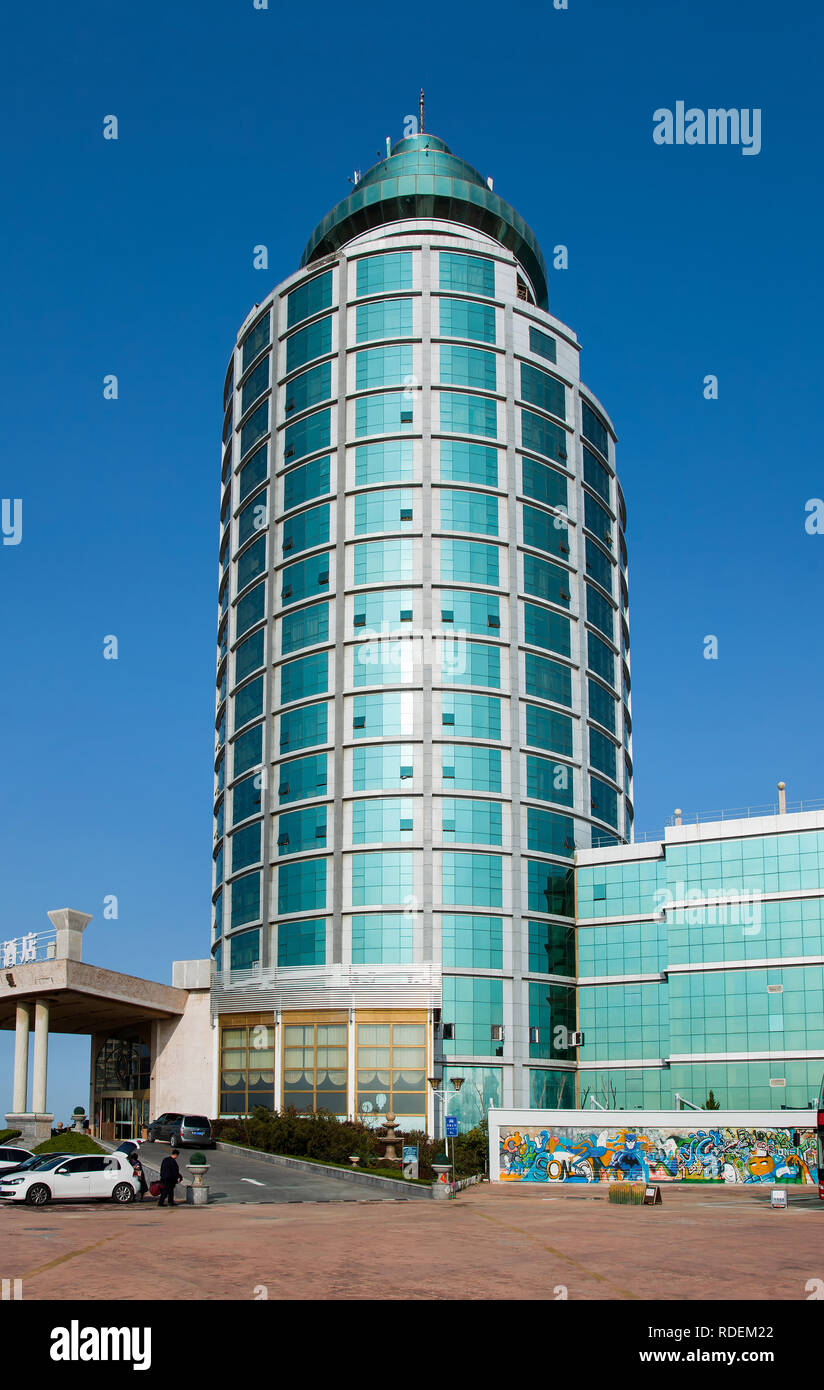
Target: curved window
{"type": "Point", "coordinates": [462, 462]}
{"type": "Point", "coordinates": [464, 366]}
{"type": "Point", "coordinates": [383, 366]}
{"type": "Point", "coordinates": [473, 274]}
{"type": "Point", "coordinates": [309, 675]}
{"type": "Point", "coordinates": [549, 833]}
{"type": "Point", "coordinates": [468, 822]}
{"type": "Point", "coordinates": [249, 702]}
{"type": "Point", "coordinates": [384, 318]}
{"type": "Point", "coordinates": [249, 656]}
{"type": "Point", "coordinates": [470, 716]}
{"type": "Point", "coordinates": [541, 389]}
{"type": "Point", "coordinates": [600, 659]}
{"type": "Point", "coordinates": [307, 529]}
{"type": "Point", "coordinates": [302, 943]}
{"type": "Point", "coordinates": [546, 581]}
{"type": "Point", "coordinates": [381, 767]}
{"type": "Point", "coordinates": [461, 318]}
{"type": "Point", "coordinates": [540, 436]}
{"type": "Point", "coordinates": [253, 473]}
{"type": "Point", "coordinates": [599, 566]}
{"type": "Point", "coordinates": [467, 768]}
{"type": "Point", "coordinates": [244, 952]}
{"type": "Point", "coordinates": [469, 511]}
{"type": "Point", "coordinates": [382, 818]}
{"type": "Point", "coordinates": [307, 436]}
{"type": "Point", "coordinates": [302, 886]}
{"type": "Point", "coordinates": [303, 483]}
{"type": "Point", "coordinates": [255, 427]}
{"type": "Point", "coordinates": [546, 729]}
{"type": "Point", "coordinates": [472, 942]}
{"type": "Point", "coordinates": [383, 609]}
{"type": "Point", "coordinates": [251, 563]}
{"type": "Point", "coordinates": [254, 517]}
{"type": "Point", "coordinates": [597, 520]}
{"type": "Point", "coordinates": [464, 414]}
{"type": "Point", "coordinates": [545, 629]}
{"type": "Point", "coordinates": [246, 799]}
{"type": "Point", "coordinates": [551, 949]}
{"type": "Point", "coordinates": [548, 781]}
{"type": "Point", "coordinates": [309, 299]}
{"type": "Point", "coordinates": [250, 609]}
{"type": "Point", "coordinates": [384, 413]}
{"type": "Point", "coordinates": [602, 705]}
{"type": "Point", "coordinates": [304, 579]}
{"type": "Point", "coordinates": [392, 271]}
{"type": "Point", "coordinates": [475, 880]}
{"type": "Point", "coordinates": [384, 938]}
{"type": "Point", "coordinates": [305, 628]}
{"type": "Point", "coordinates": [302, 778]}
{"type": "Point", "coordinates": [462, 610]}
{"type": "Point", "coordinates": [543, 483]}
{"type": "Point", "coordinates": [382, 716]}
{"type": "Point", "coordinates": [254, 385]}
{"type": "Point", "coordinates": [593, 429]}
{"type": "Point", "coordinates": [541, 344]}
{"type": "Point", "coordinates": [600, 613]}
{"type": "Point", "coordinates": [469, 562]}
{"type": "Point", "coordinates": [256, 340]}
{"type": "Point", "coordinates": [301, 728]}
{"type": "Point", "coordinates": [595, 474]}
{"type": "Point", "coordinates": [384, 560]}
{"type": "Point", "coordinates": [547, 679]}
{"type": "Point", "coordinates": [383, 511]}
{"type": "Point", "coordinates": [308, 389]}
{"type": "Point", "coordinates": [541, 532]}
{"type": "Point", "coordinates": [390, 461]}
{"type": "Point", "coordinates": [246, 847]}
{"type": "Point", "coordinates": [248, 750]}
{"type": "Point", "coordinates": [550, 889]}
{"type": "Point", "coordinates": [470, 663]}
{"type": "Point", "coordinates": [382, 663]}
{"type": "Point", "coordinates": [313, 341]}
{"type": "Point", "coordinates": [245, 900]}
{"type": "Point", "coordinates": [604, 801]}
{"type": "Point", "coordinates": [603, 754]}
{"type": "Point", "coordinates": [302, 830]}
{"type": "Point", "coordinates": [381, 877]}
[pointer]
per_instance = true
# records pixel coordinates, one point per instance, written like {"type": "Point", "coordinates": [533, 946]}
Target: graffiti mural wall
{"type": "Point", "coordinates": [610, 1154]}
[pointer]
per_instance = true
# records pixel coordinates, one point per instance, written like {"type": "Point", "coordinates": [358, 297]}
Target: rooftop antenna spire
{"type": "Point", "coordinates": [420, 121]}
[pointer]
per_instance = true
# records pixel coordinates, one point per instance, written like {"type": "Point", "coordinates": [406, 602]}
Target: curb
{"type": "Point", "coordinates": [393, 1185]}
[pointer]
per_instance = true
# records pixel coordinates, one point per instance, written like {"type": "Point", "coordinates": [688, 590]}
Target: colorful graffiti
{"type": "Point", "coordinates": [656, 1155]}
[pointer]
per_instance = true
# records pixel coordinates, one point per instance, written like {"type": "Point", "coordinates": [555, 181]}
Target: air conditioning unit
{"type": "Point", "coordinates": [576, 1039]}
{"type": "Point", "coordinates": [496, 1032]}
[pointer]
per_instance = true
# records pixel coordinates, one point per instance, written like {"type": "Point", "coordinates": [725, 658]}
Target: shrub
{"type": "Point", "coordinates": [197, 1157]}
{"type": "Point", "coordinates": [69, 1143]}
{"type": "Point", "coordinates": [8, 1134]}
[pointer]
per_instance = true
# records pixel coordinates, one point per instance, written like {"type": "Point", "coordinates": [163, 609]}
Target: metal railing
{"type": "Point", "coordinates": [747, 812]}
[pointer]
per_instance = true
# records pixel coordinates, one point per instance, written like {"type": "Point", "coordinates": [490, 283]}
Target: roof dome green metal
{"type": "Point", "coordinates": [422, 178]}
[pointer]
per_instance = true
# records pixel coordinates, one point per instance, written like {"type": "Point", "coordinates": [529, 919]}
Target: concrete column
{"type": "Point", "coordinates": [41, 1057]}
{"type": "Point", "coordinates": [21, 1058]}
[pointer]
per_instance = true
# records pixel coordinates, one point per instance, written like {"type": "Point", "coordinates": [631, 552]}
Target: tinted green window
{"type": "Point", "coordinates": [382, 511]}
{"type": "Point", "coordinates": [313, 341]}
{"type": "Point", "coordinates": [390, 461]}
{"type": "Point", "coordinates": [474, 1004]}
{"type": "Point", "coordinates": [385, 413]}
{"type": "Point", "coordinates": [383, 366]}
{"type": "Point", "coordinates": [245, 899]}
{"type": "Point", "coordinates": [301, 728]}
{"type": "Point", "coordinates": [301, 830]}
{"type": "Point", "coordinates": [251, 563]}
{"type": "Point", "coordinates": [253, 517]}
{"type": "Point", "coordinates": [469, 511]}
{"type": "Point", "coordinates": [381, 877]}
{"type": "Point", "coordinates": [464, 366]}
{"type": "Point", "coordinates": [389, 272]}
{"type": "Point", "coordinates": [600, 613]}
{"type": "Point", "coordinates": [254, 385]}
{"type": "Point", "coordinates": [602, 705]}
{"type": "Point", "coordinates": [249, 702]}
{"type": "Point", "coordinates": [546, 581]}
{"type": "Point", "coordinates": [549, 833]}
{"type": "Point", "coordinates": [551, 1009]}
{"type": "Point", "coordinates": [470, 822]}
{"type": "Point", "coordinates": [245, 846]}
{"type": "Point", "coordinates": [472, 716]}
{"type": "Point", "coordinates": [309, 299]}
{"type": "Point", "coordinates": [382, 938]}
{"type": "Point", "coordinates": [384, 560]}
{"type": "Point", "coordinates": [598, 566]}
{"type": "Point", "coordinates": [544, 484]}
{"type": "Point", "coordinates": [464, 414]}
{"type": "Point", "coordinates": [469, 562]}
{"type": "Point", "coordinates": [542, 344]}
{"type": "Point", "coordinates": [308, 435]}
{"type": "Point", "coordinates": [540, 436]}
{"type": "Point", "coordinates": [381, 766]}
{"type": "Point", "coordinates": [248, 750]}
{"type": "Point", "coordinates": [467, 768]}
{"type": "Point", "coordinates": [597, 520]}
{"type": "Point", "coordinates": [256, 340]}
{"type": "Point", "coordinates": [382, 609]}
{"type": "Point", "coordinates": [302, 778]}
{"type": "Point", "coordinates": [462, 462]}
{"type": "Point", "coordinates": [248, 656]}
{"type": "Point", "coordinates": [384, 318]}
{"type": "Point", "coordinates": [474, 880]}
{"type": "Point", "coordinates": [461, 318]}
{"type": "Point", "coordinates": [600, 659]}
{"type": "Point", "coordinates": [244, 950]}
{"type": "Point", "coordinates": [545, 629]}
{"type": "Point", "coordinates": [253, 473]}
{"type": "Point", "coordinates": [541, 532]}
{"type": "Point", "coordinates": [471, 663]}
{"type": "Point", "coordinates": [305, 628]}
{"type": "Point", "coordinates": [596, 474]}
{"type": "Point", "coordinates": [541, 389]}
{"type": "Point", "coordinates": [303, 483]}
{"type": "Point", "coordinates": [255, 427]}
{"type": "Point", "coordinates": [302, 886]}
{"type": "Point", "coordinates": [474, 274]}
{"type": "Point", "coordinates": [246, 799]}
{"type": "Point", "coordinates": [603, 754]}
{"type": "Point", "coordinates": [306, 530]}
{"type": "Point", "coordinates": [305, 578]}
{"type": "Point", "coordinates": [593, 429]}
{"type": "Point", "coordinates": [551, 949]}
{"type": "Point", "coordinates": [472, 942]}
{"type": "Point", "coordinates": [250, 609]}
{"type": "Point", "coordinates": [550, 889]}
{"type": "Point", "coordinates": [382, 715]}
{"type": "Point", "coordinates": [382, 663]}
{"type": "Point", "coordinates": [309, 675]}
{"type": "Point", "coordinates": [308, 389]}
{"type": "Point", "coordinates": [547, 679]}
{"type": "Point", "coordinates": [604, 801]}
{"type": "Point", "coordinates": [302, 943]}
{"type": "Point", "coordinates": [382, 818]}
{"type": "Point", "coordinates": [548, 781]}
{"type": "Point", "coordinates": [463, 610]}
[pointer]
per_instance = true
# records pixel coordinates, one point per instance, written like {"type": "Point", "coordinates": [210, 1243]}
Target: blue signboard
{"type": "Point", "coordinates": [451, 1126]}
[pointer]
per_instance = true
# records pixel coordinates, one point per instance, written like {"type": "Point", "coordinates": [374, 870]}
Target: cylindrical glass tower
{"type": "Point", "coordinates": [423, 669]}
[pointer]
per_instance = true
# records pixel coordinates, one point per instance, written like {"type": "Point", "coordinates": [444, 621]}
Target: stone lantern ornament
{"type": "Point", "coordinates": [197, 1193]}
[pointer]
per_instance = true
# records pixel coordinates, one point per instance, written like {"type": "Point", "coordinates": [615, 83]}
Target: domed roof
{"type": "Point", "coordinates": [422, 178]}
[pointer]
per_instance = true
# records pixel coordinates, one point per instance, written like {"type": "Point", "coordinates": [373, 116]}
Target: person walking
{"type": "Point", "coordinates": [137, 1169]}
{"type": "Point", "coordinates": [170, 1176]}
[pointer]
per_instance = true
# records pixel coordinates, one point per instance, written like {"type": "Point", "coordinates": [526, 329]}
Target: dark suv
{"type": "Point", "coordinates": [181, 1130]}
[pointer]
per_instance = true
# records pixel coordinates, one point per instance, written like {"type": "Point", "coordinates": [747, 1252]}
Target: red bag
{"type": "Point", "coordinates": [155, 1189]}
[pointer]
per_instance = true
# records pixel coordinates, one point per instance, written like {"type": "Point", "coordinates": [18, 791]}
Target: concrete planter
{"type": "Point", "coordinates": [197, 1193]}
{"type": "Point", "coordinates": [442, 1186]}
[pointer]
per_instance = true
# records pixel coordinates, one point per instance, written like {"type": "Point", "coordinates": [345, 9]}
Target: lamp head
{"type": "Point", "coordinates": [434, 1082]}
{"type": "Point", "coordinates": [457, 1082]}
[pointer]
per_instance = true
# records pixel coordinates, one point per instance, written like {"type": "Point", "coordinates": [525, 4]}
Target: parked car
{"type": "Point", "coordinates": [11, 1157]}
{"type": "Point", "coordinates": [128, 1146]}
{"type": "Point", "coordinates": [78, 1179]}
{"type": "Point", "coordinates": [36, 1161]}
{"type": "Point", "coordinates": [181, 1130]}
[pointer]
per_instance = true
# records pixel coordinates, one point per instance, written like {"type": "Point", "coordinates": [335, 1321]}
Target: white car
{"type": "Point", "coordinates": [10, 1157]}
{"type": "Point", "coordinates": [77, 1179]}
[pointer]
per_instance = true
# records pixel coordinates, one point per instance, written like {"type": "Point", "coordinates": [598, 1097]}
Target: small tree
{"type": "Point", "coordinates": [711, 1103]}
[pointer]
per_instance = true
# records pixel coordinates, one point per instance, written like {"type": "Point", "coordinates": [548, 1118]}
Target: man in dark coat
{"type": "Point", "coordinates": [170, 1176]}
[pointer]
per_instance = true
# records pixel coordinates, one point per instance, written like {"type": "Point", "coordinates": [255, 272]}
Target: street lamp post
{"type": "Point", "coordinates": [457, 1083]}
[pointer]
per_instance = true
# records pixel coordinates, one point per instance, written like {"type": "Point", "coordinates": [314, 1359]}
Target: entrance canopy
{"type": "Point", "coordinates": [85, 998]}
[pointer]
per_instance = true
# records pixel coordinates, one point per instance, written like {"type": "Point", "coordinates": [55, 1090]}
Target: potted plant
{"type": "Point", "coordinates": [198, 1193]}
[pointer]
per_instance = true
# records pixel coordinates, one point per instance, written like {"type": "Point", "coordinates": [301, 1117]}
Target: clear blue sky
{"type": "Point", "coordinates": [239, 127]}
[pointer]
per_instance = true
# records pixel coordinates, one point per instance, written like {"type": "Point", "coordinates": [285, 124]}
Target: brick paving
{"type": "Point", "coordinates": [491, 1243]}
